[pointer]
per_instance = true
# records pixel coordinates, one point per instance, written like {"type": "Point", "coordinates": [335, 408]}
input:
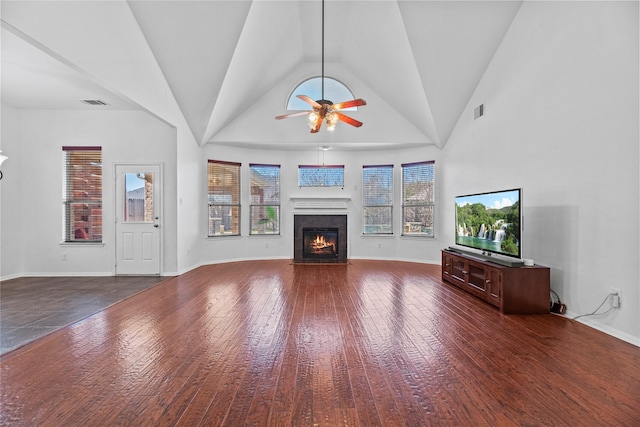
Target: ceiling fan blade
{"type": "Point", "coordinates": [296, 114]}
{"type": "Point", "coordinates": [347, 119]}
{"type": "Point", "coordinates": [348, 104]}
{"type": "Point", "coordinates": [310, 101]}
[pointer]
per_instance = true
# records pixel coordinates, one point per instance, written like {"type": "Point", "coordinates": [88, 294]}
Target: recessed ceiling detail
{"type": "Point", "coordinates": [224, 69]}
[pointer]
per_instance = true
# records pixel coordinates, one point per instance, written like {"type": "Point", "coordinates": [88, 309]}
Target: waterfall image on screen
{"type": "Point", "coordinates": [490, 222]}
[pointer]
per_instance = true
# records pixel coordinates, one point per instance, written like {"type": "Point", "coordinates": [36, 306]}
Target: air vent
{"type": "Point", "coordinates": [478, 111]}
{"type": "Point", "coordinates": [94, 102]}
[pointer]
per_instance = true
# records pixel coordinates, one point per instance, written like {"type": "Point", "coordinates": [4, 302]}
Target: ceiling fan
{"type": "Point", "coordinates": [324, 109]}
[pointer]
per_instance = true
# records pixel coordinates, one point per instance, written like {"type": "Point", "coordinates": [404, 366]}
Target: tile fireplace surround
{"type": "Point", "coordinates": [319, 221]}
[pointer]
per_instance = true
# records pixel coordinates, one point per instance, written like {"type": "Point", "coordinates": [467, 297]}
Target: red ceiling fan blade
{"type": "Point", "coordinates": [348, 104]}
{"type": "Point", "coordinates": [309, 101]}
{"type": "Point", "coordinates": [296, 114]}
{"type": "Point", "coordinates": [347, 119]}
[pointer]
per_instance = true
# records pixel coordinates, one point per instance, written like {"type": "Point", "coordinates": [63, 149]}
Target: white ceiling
{"type": "Point", "coordinates": [230, 65]}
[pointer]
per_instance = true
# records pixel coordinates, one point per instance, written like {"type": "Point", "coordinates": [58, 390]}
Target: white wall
{"type": "Point", "coordinates": [226, 248]}
{"type": "Point", "coordinates": [32, 204]}
{"type": "Point", "coordinates": [561, 99]}
{"type": "Point", "coordinates": [11, 224]}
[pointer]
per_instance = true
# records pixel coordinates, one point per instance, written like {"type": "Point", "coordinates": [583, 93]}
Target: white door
{"type": "Point", "coordinates": [138, 222]}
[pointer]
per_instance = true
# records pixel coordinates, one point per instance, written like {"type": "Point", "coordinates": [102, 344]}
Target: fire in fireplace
{"type": "Point", "coordinates": [319, 242]}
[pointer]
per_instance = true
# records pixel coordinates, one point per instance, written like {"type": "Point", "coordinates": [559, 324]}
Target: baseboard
{"type": "Point", "coordinates": [593, 323]}
{"type": "Point", "coordinates": [64, 274]}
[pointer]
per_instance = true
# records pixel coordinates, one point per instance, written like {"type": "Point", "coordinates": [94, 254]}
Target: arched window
{"type": "Point", "coordinates": [334, 91]}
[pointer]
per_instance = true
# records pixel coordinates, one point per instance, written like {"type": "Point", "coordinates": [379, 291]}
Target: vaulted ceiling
{"type": "Point", "coordinates": [224, 69]}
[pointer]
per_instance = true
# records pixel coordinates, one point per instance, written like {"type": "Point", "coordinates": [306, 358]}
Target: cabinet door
{"type": "Point", "coordinates": [458, 270]}
{"type": "Point", "coordinates": [446, 265]}
{"type": "Point", "coordinates": [476, 279]}
{"type": "Point", "coordinates": [494, 286]}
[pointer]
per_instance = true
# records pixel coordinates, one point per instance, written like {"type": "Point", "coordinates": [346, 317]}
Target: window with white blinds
{"type": "Point", "coordinates": [82, 194]}
{"type": "Point", "coordinates": [418, 198]}
{"type": "Point", "coordinates": [223, 198]}
{"type": "Point", "coordinates": [377, 199]}
{"type": "Point", "coordinates": [321, 176]}
{"type": "Point", "coordinates": [265, 199]}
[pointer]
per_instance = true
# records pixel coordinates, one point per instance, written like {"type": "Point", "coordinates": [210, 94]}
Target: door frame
{"type": "Point", "coordinates": [158, 202]}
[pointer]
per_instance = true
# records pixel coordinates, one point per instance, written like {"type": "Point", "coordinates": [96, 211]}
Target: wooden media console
{"type": "Point", "coordinates": [514, 290]}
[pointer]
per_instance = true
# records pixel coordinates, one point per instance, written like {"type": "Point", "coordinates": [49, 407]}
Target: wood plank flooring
{"type": "Point", "coordinates": [266, 343]}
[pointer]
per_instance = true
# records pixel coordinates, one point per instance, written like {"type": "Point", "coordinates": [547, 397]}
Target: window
{"type": "Point", "coordinates": [265, 199]}
{"type": "Point", "coordinates": [333, 90]}
{"type": "Point", "coordinates": [82, 194]}
{"type": "Point", "coordinates": [224, 198]}
{"type": "Point", "coordinates": [138, 197]}
{"type": "Point", "coordinates": [418, 198]}
{"type": "Point", "coordinates": [377, 199]}
{"type": "Point", "coordinates": [321, 176]}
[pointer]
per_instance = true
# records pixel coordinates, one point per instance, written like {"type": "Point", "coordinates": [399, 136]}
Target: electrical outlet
{"type": "Point", "coordinates": [64, 256]}
{"type": "Point", "coordinates": [615, 298]}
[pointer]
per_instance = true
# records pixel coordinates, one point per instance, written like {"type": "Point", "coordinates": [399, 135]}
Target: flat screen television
{"type": "Point", "coordinates": [490, 222]}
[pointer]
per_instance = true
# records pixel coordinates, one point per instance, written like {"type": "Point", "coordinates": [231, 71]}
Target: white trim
{"type": "Point", "coordinates": [320, 202]}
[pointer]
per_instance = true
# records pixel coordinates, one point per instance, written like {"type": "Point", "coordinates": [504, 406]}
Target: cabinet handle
{"type": "Point", "coordinates": [487, 281]}
{"type": "Point", "coordinates": [465, 272]}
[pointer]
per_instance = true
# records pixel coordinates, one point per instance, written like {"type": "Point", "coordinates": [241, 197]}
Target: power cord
{"type": "Point", "coordinates": [595, 312]}
{"type": "Point", "coordinates": [556, 305]}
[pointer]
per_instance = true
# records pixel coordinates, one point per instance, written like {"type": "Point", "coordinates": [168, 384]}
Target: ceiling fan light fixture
{"type": "Point", "coordinates": [313, 119]}
{"type": "Point", "coordinates": [332, 121]}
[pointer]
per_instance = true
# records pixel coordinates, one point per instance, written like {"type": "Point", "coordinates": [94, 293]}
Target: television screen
{"type": "Point", "coordinates": [490, 222]}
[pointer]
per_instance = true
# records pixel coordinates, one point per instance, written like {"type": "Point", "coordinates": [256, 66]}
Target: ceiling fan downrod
{"type": "Point", "coordinates": [322, 79]}
{"type": "Point", "coordinates": [323, 109]}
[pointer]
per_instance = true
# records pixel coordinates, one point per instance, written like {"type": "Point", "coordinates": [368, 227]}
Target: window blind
{"type": "Point", "coordinates": [82, 194]}
{"type": "Point", "coordinates": [418, 198]}
{"type": "Point", "coordinates": [321, 175]}
{"type": "Point", "coordinates": [223, 197]}
{"type": "Point", "coordinates": [265, 199]}
{"type": "Point", "coordinates": [377, 199]}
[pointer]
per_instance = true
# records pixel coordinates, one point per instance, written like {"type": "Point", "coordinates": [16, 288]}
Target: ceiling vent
{"type": "Point", "coordinates": [478, 111]}
{"type": "Point", "coordinates": [94, 102]}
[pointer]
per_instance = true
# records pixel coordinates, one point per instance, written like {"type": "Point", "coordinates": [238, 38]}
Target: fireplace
{"type": "Point", "coordinates": [319, 238]}
{"type": "Point", "coordinates": [320, 243]}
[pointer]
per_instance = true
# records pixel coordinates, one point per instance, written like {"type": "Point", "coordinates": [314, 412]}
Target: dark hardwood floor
{"type": "Point", "coordinates": [267, 343]}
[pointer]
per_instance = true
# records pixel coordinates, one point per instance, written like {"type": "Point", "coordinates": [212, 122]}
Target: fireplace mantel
{"type": "Point", "coordinates": [320, 202]}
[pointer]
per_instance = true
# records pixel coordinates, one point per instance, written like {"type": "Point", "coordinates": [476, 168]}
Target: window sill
{"type": "Point", "coordinates": [82, 244]}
